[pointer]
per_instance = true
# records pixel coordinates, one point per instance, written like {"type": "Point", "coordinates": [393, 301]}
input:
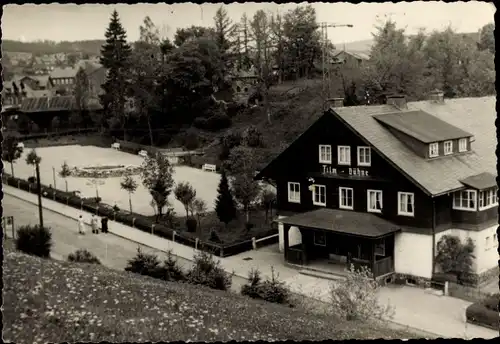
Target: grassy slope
{"type": "Point", "coordinates": [53, 301]}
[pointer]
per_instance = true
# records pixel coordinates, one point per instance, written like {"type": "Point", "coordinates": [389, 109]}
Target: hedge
{"type": "Point", "coordinates": [480, 315]}
{"type": "Point", "coordinates": [137, 221]}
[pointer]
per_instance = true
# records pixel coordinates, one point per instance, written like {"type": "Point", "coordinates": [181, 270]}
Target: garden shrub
{"type": "Point", "coordinates": [214, 237]}
{"type": "Point", "coordinates": [252, 137]}
{"type": "Point", "coordinates": [218, 122]}
{"type": "Point", "coordinates": [34, 240]}
{"type": "Point", "coordinates": [270, 290]}
{"type": "Point", "coordinates": [191, 140]}
{"type": "Point", "coordinates": [83, 256]}
{"type": "Point", "coordinates": [491, 302]}
{"type": "Point", "coordinates": [171, 271]}
{"type": "Point", "coordinates": [146, 264]}
{"type": "Point", "coordinates": [208, 272]}
{"type": "Point", "coordinates": [479, 314]}
{"type": "Point", "coordinates": [191, 224]}
{"type": "Point", "coordinates": [200, 123]}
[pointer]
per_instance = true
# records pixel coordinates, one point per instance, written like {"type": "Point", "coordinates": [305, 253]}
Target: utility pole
{"type": "Point", "coordinates": [324, 50]}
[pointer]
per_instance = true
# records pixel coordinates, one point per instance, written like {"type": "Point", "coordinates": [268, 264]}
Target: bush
{"type": "Point", "coordinates": [145, 264]}
{"type": "Point", "coordinates": [83, 256]}
{"type": "Point", "coordinates": [479, 314]}
{"type": "Point", "coordinates": [214, 237]}
{"type": "Point", "coordinates": [191, 225]}
{"type": "Point", "coordinates": [32, 180]}
{"type": "Point", "coordinates": [356, 298]}
{"type": "Point", "coordinates": [270, 290]}
{"type": "Point", "coordinates": [34, 240]}
{"type": "Point", "coordinates": [171, 270]}
{"type": "Point", "coordinates": [491, 302]}
{"type": "Point", "coordinates": [208, 272]}
{"type": "Point", "coordinates": [191, 140]}
{"type": "Point", "coordinates": [200, 123]}
{"type": "Point", "coordinates": [218, 122]}
{"type": "Point", "coordinates": [252, 137]}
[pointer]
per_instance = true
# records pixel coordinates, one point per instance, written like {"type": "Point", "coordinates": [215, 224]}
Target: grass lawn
{"type": "Point", "coordinates": [53, 301]}
{"type": "Point", "coordinates": [235, 230]}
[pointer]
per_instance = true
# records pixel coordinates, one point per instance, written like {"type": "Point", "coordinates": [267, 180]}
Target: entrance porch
{"type": "Point", "coordinates": [332, 240]}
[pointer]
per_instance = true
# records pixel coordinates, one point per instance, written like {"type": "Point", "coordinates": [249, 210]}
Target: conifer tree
{"type": "Point", "coordinates": [115, 57]}
{"type": "Point", "coordinates": [224, 204]}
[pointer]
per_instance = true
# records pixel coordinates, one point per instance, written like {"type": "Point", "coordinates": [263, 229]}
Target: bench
{"type": "Point", "coordinates": [20, 145]}
{"type": "Point", "coordinates": [143, 153]}
{"type": "Point", "coordinates": [209, 167]}
{"type": "Point", "coordinates": [115, 145]}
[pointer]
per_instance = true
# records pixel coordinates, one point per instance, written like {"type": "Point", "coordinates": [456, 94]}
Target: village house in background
{"type": "Point", "coordinates": [380, 185]}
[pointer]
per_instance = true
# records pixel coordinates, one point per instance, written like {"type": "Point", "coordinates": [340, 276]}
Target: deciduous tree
{"type": "Point", "coordinates": [11, 151]}
{"type": "Point", "coordinates": [193, 32]}
{"type": "Point", "coordinates": [186, 194]}
{"type": "Point", "coordinates": [453, 256]}
{"type": "Point", "coordinates": [130, 185]}
{"type": "Point", "coordinates": [157, 178]}
{"type": "Point", "coordinates": [199, 208]}
{"type": "Point", "coordinates": [65, 172]}
{"type": "Point", "coordinates": [487, 38]}
{"type": "Point", "coordinates": [267, 199]}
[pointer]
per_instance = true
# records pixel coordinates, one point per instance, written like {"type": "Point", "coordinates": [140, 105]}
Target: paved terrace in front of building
{"type": "Point", "coordinates": [444, 316]}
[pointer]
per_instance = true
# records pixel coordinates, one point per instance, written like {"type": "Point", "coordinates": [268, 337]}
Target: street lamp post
{"type": "Point", "coordinates": [39, 192]}
{"type": "Point", "coordinates": [54, 176]}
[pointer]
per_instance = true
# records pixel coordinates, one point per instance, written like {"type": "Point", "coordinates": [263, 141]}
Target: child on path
{"type": "Point", "coordinates": [81, 225]}
{"type": "Point", "coordinates": [93, 224]}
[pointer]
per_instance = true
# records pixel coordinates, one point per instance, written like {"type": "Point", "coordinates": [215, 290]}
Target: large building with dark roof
{"type": "Point", "coordinates": [380, 185]}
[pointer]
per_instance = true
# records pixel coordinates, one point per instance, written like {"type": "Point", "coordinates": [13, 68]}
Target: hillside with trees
{"type": "Point", "coordinates": [90, 47]}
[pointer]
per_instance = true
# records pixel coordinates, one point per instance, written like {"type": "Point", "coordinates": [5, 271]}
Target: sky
{"type": "Point", "coordinates": [80, 22]}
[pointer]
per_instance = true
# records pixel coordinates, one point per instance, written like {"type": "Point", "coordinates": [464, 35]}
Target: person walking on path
{"type": "Point", "coordinates": [93, 224]}
{"type": "Point", "coordinates": [81, 225]}
{"type": "Point", "coordinates": [104, 224]}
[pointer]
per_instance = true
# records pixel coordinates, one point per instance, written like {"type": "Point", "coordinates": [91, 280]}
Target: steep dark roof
{"type": "Point", "coordinates": [480, 181]}
{"type": "Point", "coordinates": [422, 126]}
{"type": "Point", "coordinates": [65, 72]}
{"type": "Point", "coordinates": [435, 176]}
{"type": "Point", "coordinates": [342, 221]}
{"type": "Point", "coordinates": [57, 103]}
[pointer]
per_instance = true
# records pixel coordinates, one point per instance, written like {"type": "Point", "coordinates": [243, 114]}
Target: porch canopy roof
{"type": "Point", "coordinates": [342, 221]}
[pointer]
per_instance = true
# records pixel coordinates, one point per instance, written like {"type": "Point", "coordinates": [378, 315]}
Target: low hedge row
{"type": "Point", "coordinates": [137, 221]}
{"type": "Point", "coordinates": [480, 315]}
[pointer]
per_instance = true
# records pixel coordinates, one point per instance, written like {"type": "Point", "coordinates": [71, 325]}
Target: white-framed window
{"type": "Point", "coordinates": [406, 203]}
{"type": "Point", "coordinates": [380, 248]}
{"type": "Point", "coordinates": [448, 147]}
{"type": "Point", "coordinates": [293, 192]}
{"type": "Point", "coordinates": [488, 199]}
{"type": "Point", "coordinates": [364, 156]}
{"type": "Point", "coordinates": [465, 200]}
{"type": "Point", "coordinates": [319, 239]}
{"type": "Point", "coordinates": [346, 198]}
{"type": "Point", "coordinates": [325, 154]}
{"type": "Point", "coordinates": [344, 155]}
{"type": "Point", "coordinates": [374, 201]}
{"type": "Point", "coordinates": [433, 150]}
{"type": "Point", "coordinates": [462, 145]}
{"type": "Point", "coordinates": [319, 195]}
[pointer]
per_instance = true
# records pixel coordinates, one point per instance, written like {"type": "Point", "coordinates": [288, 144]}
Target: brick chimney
{"type": "Point", "coordinates": [437, 96]}
{"type": "Point", "coordinates": [398, 100]}
{"type": "Point", "coordinates": [335, 102]}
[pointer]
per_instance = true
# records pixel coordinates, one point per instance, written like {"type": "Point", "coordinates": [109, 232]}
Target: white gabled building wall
{"type": "Point", "coordinates": [413, 254]}
{"type": "Point", "coordinates": [294, 236]}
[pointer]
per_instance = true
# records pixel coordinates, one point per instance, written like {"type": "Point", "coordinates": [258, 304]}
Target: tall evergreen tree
{"type": "Point", "coordinates": [224, 31]}
{"type": "Point", "coordinates": [224, 204]}
{"type": "Point", "coordinates": [115, 57]}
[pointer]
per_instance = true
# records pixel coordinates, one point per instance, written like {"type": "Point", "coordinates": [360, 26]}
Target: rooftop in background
{"type": "Point", "coordinates": [422, 126]}
{"type": "Point", "coordinates": [56, 103]}
{"type": "Point", "coordinates": [66, 72]}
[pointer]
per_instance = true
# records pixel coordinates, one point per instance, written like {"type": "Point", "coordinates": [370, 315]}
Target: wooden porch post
{"type": "Point", "coordinates": [303, 247]}
{"type": "Point", "coordinates": [373, 243]}
{"type": "Point", "coordinates": [286, 229]}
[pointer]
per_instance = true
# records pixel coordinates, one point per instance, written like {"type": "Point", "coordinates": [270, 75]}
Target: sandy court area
{"type": "Point", "coordinates": [205, 183]}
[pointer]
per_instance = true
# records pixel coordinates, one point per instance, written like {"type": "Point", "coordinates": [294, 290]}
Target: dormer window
{"type": "Point", "coordinates": [433, 150]}
{"type": "Point", "coordinates": [448, 147]}
{"type": "Point", "coordinates": [488, 199]}
{"type": "Point", "coordinates": [462, 145]}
